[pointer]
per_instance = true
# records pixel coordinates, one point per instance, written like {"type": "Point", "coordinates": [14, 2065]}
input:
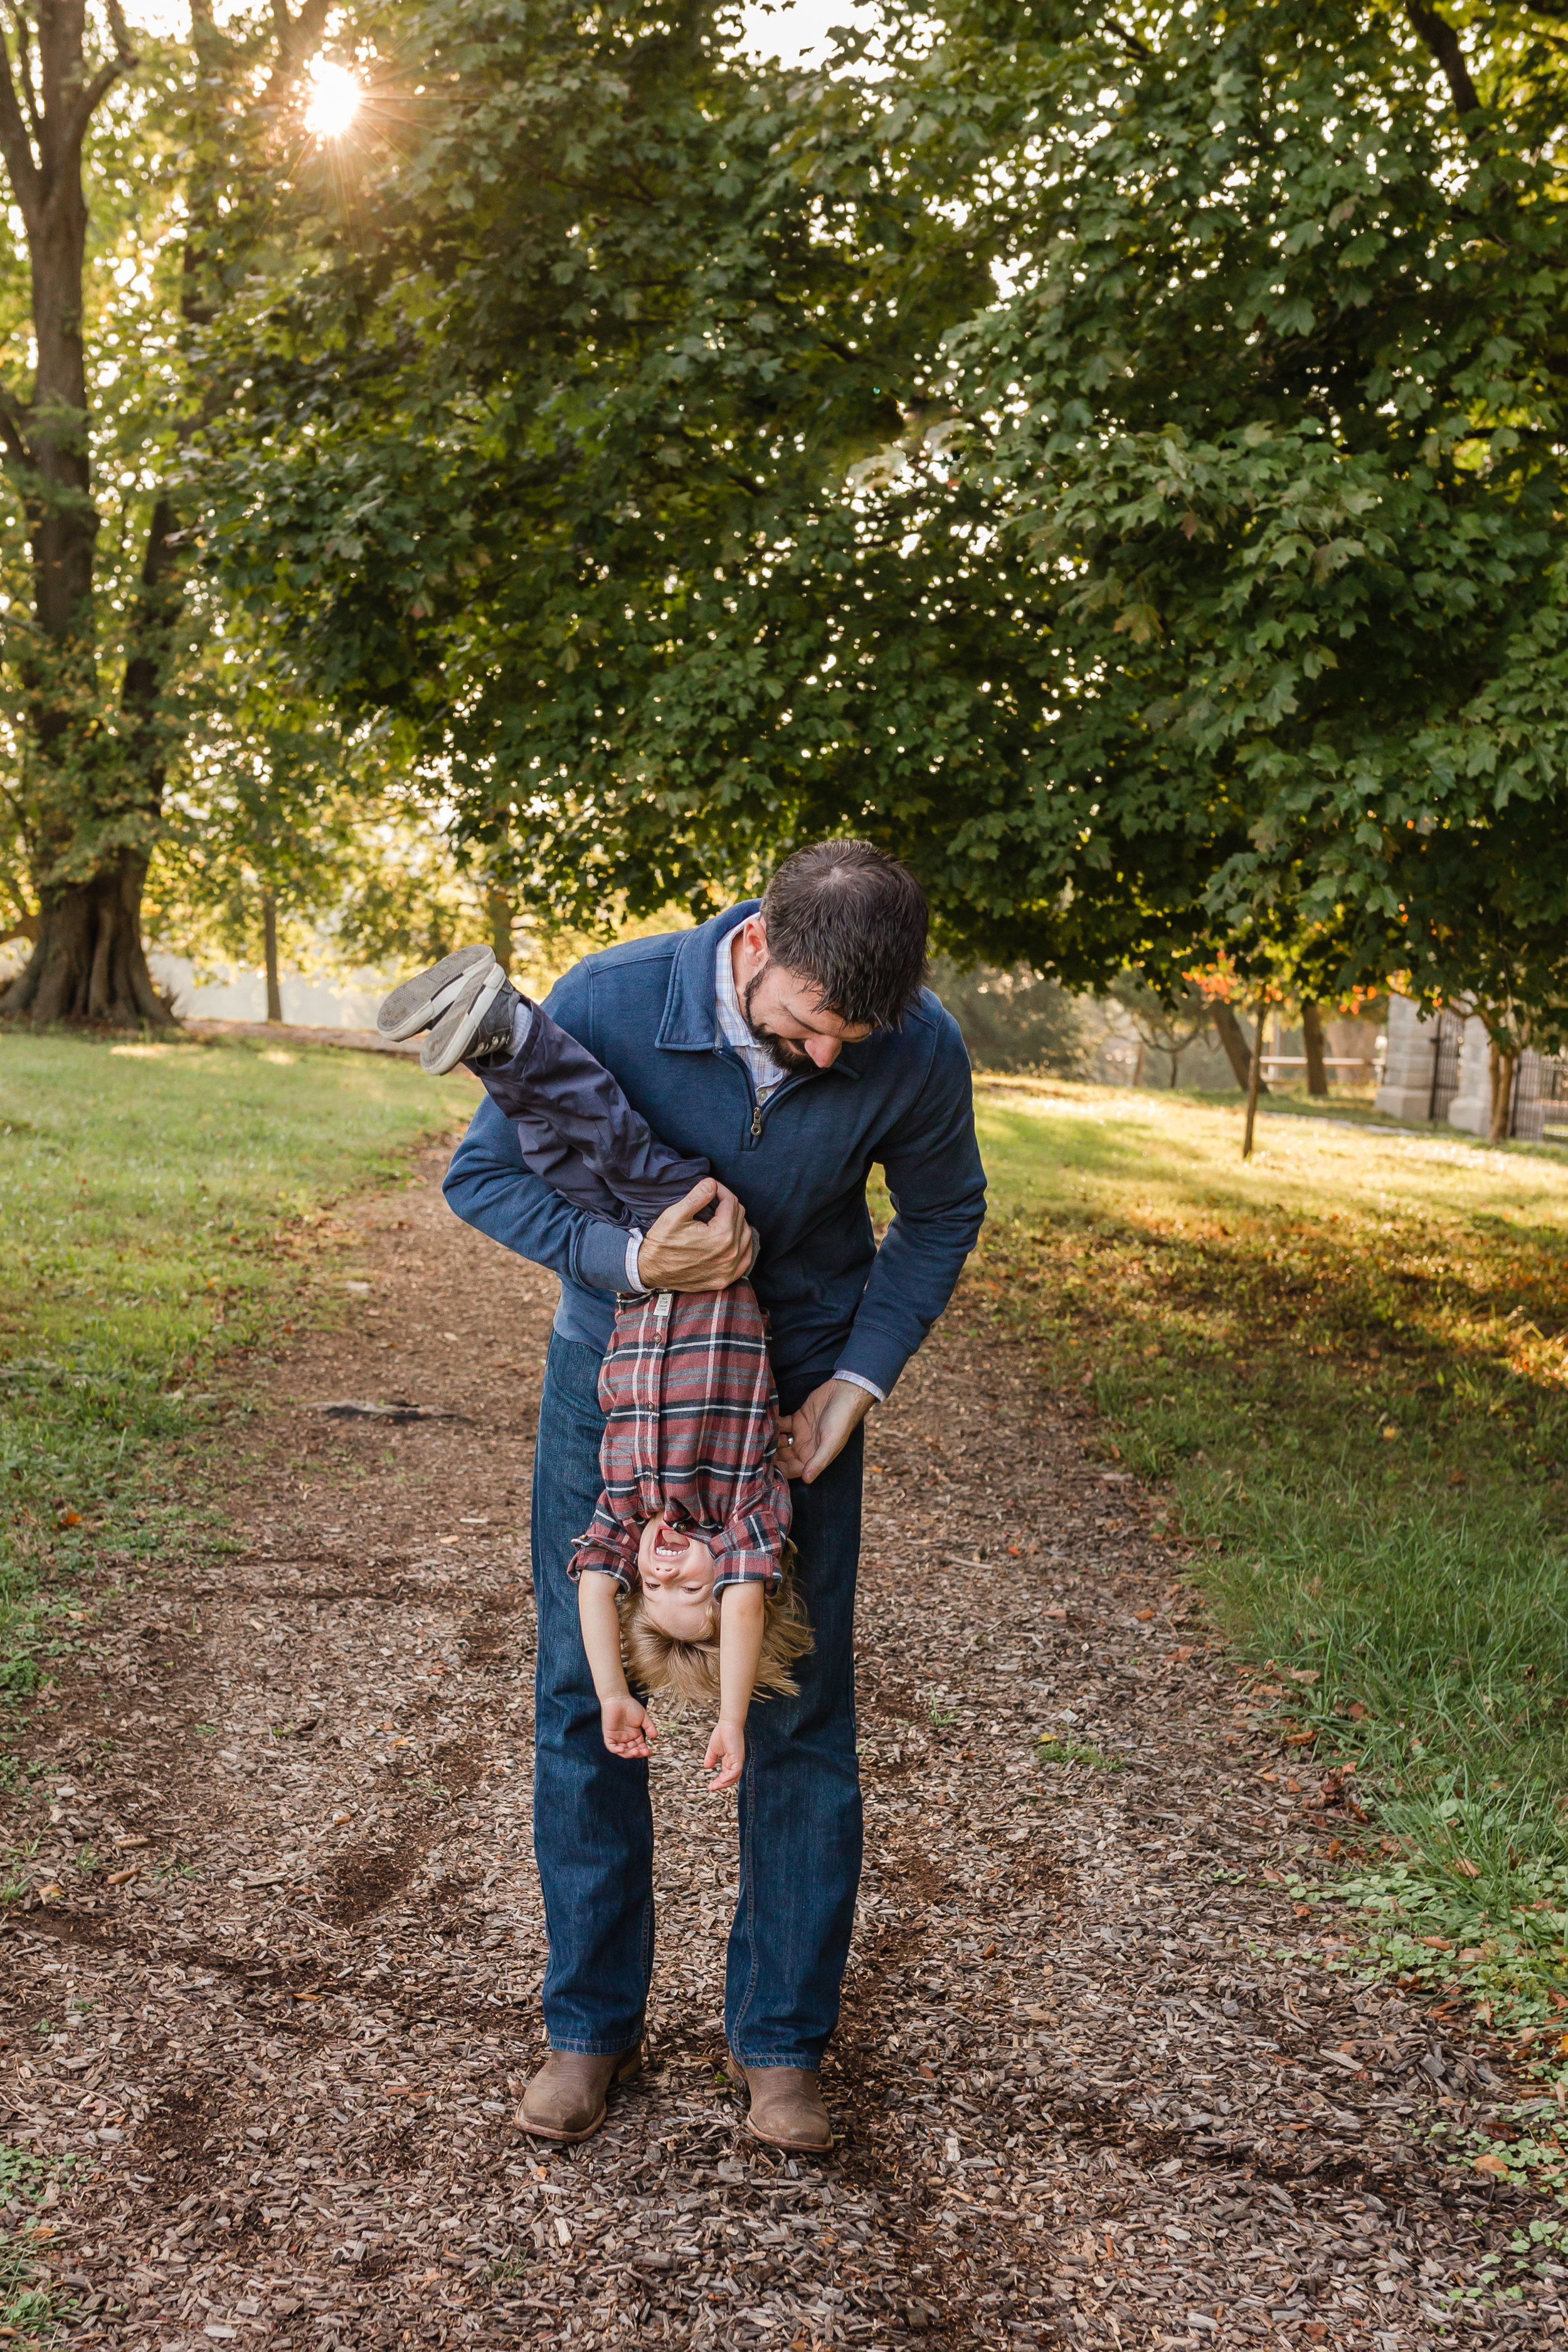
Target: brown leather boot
{"type": "Point", "coordinates": [786, 2108]}
{"type": "Point", "coordinates": [567, 2098]}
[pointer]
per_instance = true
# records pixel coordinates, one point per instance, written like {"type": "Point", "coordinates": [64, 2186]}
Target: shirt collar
{"type": "Point", "coordinates": [692, 1008]}
{"type": "Point", "coordinates": [691, 1011]}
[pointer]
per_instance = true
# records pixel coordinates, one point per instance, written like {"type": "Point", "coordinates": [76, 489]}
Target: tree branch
{"type": "Point", "coordinates": [16, 148]}
{"type": "Point", "coordinates": [1129, 41]}
{"type": "Point", "coordinates": [24, 68]}
{"type": "Point", "coordinates": [13, 431]}
{"type": "Point", "coordinates": [297, 37]}
{"type": "Point", "coordinates": [122, 62]}
{"type": "Point", "coordinates": [1444, 42]}
{"type": "Point", "coordinates": [124, 48]}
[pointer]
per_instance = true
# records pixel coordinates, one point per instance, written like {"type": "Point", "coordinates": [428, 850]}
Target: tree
{"type": "Point", "coordinates": [1313, 1041]}
{"type": "Point", "coordinates": [578, 515]}
{"type": "Point", "coordinates": [691, 491]}
{"type": "Point", "coordinates": [1013, 1020]}
{"type": "Point", "coordinates": [1276, 405]}
{"type": "Point", "coordinates": [96, 628]}
{"type": "Point", "coordinates": [1166, 1022]}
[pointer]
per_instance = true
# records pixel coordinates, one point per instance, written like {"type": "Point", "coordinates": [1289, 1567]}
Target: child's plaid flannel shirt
{"type": "Point", "coordinates": [690, 1429]}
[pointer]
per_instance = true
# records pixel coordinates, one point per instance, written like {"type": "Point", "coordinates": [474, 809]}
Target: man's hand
{"type": "Point", "coordinates": [628, 1729]}
{"type": "Point", "coordinates": [677, 1254]}
{"type": "Point", "coordinates": [817, 1431]}
{"type": "Point", "coordinates": [726, 1755]}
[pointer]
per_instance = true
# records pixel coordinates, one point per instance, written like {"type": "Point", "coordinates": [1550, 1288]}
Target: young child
{"type": "Point", "coordinates": [692, 1525]}
{"type": "Point", "coordinates": [684, 1570]}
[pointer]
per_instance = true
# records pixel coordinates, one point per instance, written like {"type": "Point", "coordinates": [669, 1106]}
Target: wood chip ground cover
{"type": "Point", "coordinates": [271, 1960]}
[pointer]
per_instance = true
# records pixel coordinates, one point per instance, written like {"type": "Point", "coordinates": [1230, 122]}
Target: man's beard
{"type": "Point", "coordinates": [790, 1059]}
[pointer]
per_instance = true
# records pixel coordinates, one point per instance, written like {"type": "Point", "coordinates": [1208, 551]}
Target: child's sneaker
{"type": "Point", "coordinates": [420, 1001]}
{"type": "Point", "coordinates": [479, 1022]}
{"type": "Point", "coordinates": [466, 1001]}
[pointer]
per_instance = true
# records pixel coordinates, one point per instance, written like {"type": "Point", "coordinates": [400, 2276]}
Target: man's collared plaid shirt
{"type": "Point", "coordinates": [690, 1429]}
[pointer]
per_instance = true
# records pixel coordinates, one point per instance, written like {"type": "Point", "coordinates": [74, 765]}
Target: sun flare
{"type": "Point", "coordinates": [334, 100]}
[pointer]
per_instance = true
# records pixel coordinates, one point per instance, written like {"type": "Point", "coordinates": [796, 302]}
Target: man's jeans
{"type": "Point", "coordinates": [799, 1797]}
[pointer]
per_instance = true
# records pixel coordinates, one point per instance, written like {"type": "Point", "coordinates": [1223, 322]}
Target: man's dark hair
{"type": "Point", "coordinates": [852, 920]}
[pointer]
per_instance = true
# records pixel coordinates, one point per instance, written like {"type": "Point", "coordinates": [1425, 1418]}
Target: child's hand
{"type": "Point", "coordinates": [726, 1755]}
{"type": "Point", "coordinates": [628, 1729]}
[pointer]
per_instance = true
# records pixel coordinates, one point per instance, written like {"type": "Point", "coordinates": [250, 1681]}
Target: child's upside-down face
{"type": "Point", "coordinates": [675, 1570]}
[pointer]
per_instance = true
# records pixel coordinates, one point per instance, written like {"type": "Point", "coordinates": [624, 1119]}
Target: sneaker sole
{"type": "Point", "coordinates": [424, 999]}
{"type": "Point", "coordinates": [457, 1029]}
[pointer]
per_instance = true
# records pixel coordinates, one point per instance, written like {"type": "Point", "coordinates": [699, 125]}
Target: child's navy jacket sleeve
{"type": "Point", "coordinates": [489, 1186]}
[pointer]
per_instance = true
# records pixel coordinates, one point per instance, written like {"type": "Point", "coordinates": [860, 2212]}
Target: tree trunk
{"type": "Point", "coordinates": [1502, 1069]}
{"type": "Point", "coordinates": [269, 951]}
{"type": "Point", "coordinates": [89, 962]}
{"type": "Point", "coordinates": [502, 913]}
{"type": "Point", "coordinates": [1254, 1085]}
{"type": "Point", "coordinates": [1238, 1053]}
{"type": "Point", "coordinates": [1312, 1033]}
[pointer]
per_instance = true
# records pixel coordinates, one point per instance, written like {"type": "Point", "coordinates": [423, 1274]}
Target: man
{"type": "Point", "coordinates": [792, 1043]}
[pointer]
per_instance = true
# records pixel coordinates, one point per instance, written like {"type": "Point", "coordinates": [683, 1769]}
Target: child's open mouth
{"type": "Point", "coordinates": [670, 1543]}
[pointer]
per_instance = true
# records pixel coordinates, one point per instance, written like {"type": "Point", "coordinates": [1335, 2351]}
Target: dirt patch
{"type": "Point", "coordinates": [365, 1883]}
{"type": "Point", "coordinates": [182, 2123]}
{"type": "Point", "coordinates": [1094, 2075]}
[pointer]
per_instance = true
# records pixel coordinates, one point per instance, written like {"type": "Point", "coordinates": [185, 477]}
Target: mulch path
{"type": "Point", "coordinates": [272, 1988]}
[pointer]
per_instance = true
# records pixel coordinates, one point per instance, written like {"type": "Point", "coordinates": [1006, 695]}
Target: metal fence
{"type": "Point", "coordinates": [1446, 1063]}
{"type": "Point", "coordinates": [1540, 1108]}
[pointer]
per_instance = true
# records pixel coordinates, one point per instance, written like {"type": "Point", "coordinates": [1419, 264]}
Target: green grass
{"type": "Point", "coordinates": [27, 2307]}
{"type": "Point", "coordinates": [1347, 1361]}
{"type": "Point", "coordinates": [160, 1206]}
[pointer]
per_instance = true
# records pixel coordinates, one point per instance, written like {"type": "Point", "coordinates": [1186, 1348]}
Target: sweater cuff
{"type": "Point", "coordinates": [602, 1256]}
{"type": "Point", "coordinates": [872, 1360]}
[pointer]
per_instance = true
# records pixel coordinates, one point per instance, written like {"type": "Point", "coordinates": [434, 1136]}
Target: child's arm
{"type": "Point", "coordinates": [627, 1728]}
{"type": "Point", "coordinates": [740, 1645]}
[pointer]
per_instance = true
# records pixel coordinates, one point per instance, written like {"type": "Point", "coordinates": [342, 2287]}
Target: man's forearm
{"type": "Point", "coordinates": [915, 1273]}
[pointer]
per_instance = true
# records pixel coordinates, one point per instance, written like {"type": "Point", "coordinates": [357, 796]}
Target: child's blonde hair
{"type": "Point", "coordinates": [687, 1672]}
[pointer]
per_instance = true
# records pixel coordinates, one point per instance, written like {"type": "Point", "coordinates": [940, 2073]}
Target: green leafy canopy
{"type": "Point", "coordinates": [1115, 462]}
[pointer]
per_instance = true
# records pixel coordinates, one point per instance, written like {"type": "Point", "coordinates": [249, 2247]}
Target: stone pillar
{"type": "Point", "coordinates": [1406, 1089]}
{"type": "Point", "coordinates": [1472, 1108]}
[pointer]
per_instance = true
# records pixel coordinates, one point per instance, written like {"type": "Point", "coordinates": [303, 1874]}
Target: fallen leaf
{"type": "Point", "coordinates": [1467, 1869]}
{"type": "Point", "coordinates": [1142, 1616]}
{"type": "Point", "coordinates": [119, 1877]}
{"type": "Point", "coordinates": [68, 1519]}
{"type": "Point", "coordinates": [1490, 2164]}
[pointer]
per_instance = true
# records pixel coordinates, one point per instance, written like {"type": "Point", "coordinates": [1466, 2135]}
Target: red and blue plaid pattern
{"type": "Point", "coordinates": [691, 1429]}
